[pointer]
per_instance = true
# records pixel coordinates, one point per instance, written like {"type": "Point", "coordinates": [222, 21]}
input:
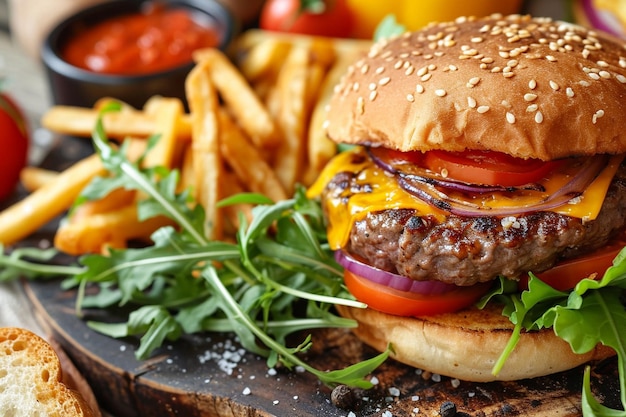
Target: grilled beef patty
{"type": "Point", "coordinates": [468, 250]}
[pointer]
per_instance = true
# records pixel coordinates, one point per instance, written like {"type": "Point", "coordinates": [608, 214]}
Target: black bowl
{"type": "Point", "coordinates": [73, 86]}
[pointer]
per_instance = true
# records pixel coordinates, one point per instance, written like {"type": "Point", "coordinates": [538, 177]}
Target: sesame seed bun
{"type": "Point", "coordinates": [467, 344]}
{"type": "Point", "coordinates": [528, 87]}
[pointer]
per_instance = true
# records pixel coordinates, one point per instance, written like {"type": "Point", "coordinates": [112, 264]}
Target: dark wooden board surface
{"type": "Point", "coordinates": [191, 377]}
{"type": "Point", "coordinates": [210, 375]}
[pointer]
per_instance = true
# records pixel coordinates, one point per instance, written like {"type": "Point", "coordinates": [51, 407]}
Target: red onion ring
{"type": "Point", "coordinates": [389, 279]}
{"type": "Point", "coordinates": [425, 188]}
{"type": "Point", "coordinates": [418, 173]}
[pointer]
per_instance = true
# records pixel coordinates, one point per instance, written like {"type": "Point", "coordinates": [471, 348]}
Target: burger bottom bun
{"type": "Point", "coordinates": [467, 344]}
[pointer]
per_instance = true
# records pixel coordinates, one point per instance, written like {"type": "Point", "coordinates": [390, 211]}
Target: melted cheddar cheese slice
{"type": "Point", "coordinates": [377, 190]}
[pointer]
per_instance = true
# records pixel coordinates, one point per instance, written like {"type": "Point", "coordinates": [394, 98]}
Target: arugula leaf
{"type": "Point", "coordinates": [183, 283]}
{"type": "Point", "coordinates": [388, 27]}
{"type": "Point", "coordinates": [592, 313]}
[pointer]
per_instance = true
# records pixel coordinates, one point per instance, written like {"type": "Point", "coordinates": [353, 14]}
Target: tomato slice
{"type": "Point", "coordinates": [565, 275]}
{"type": "Point", "coordinates": [403, 303]}
{"type": "Point", "coordinates": [488, 167]}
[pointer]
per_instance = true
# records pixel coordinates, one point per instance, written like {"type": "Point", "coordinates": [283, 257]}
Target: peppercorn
{"type": "Point", "coordinates": [447, 409]}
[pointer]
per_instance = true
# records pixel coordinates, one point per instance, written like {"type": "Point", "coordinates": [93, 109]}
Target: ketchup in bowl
{"type": "Point", "coordinates": [155, 39]}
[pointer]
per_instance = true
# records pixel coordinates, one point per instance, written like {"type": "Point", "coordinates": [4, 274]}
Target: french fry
{"type": "Point", "coordinates": [167, 114]}
{"type": "Point", "coordinates": [234, 211]}
{"type": "Point", "coordinates": [240, 98]}
{"type": "Point", "coordinates": [78, 121]}
{"type": "Point", "coordinates": [99, 231]}
{"type": "Point", "coordinates": [292, 90]}
{"type": "Point", "coordinates": [208, 165]}
{"type": "Point", "coordinates": [254, 37]}
{"type": "Point", "coordinates": [264, 60]}
{"type": "Point", "coordinates": [33, 178]}
{"type": "Point", "coordinates": [246, 161]}
{"type": "Point", "coordinates": [320, 148]}
{"type": "Point", "coordinates": [47, 202]}
{"type": "Point", "coordinates": [187, 174]}
{"type": "Point", "coordinates": [120, 197]}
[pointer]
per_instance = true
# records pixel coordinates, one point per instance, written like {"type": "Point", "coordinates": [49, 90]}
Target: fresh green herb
{"type": "Point", "coordinates": [184, 283]}
{"type": "Point", "coordinates": [388, 27]}
{"type": "Point", "coordinates": [592, 313]}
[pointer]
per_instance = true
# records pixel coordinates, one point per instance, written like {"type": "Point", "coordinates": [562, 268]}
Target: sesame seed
{"type": "Point", "coordinates": [605, 74]}
{"type": "Point", "coordinates": [594, 76]}
{"type": "Point", "coordinates": [426, 77]}
{"type": "Point", "coordinates": [584, 83]}
{"type": "Point", "coordinates": [531, 108]}
{"type": "Point", "coordinates": [482, 109]}
{"type": "Point", "coordinates": [440, 92]}
{"type": "Point", "coordinates": [569, 92]}
{"type": "Point", "coordinates": [602, 64]}
{"type": "Point", "coordinates": [384, 81]}
{"type": "Point", "coordinates": [372, 86]}
{"type": "Point", "coordinates": [419, 89]}
{"type": "Point", "coordinates": [621, 78]}
{"type": "Point", "coordinates": [510, 117]}
{"type": "Point", "coordinates": [530, 97]}
{"type": "Point", "coordinates": [473, 81]}
{"type": "Point", "coordinates": [554, 85]}
{"type": "Point", "coordinates": [508, 74]}
{"type": "Point", "coordinates": [453, 67]}
{"type": "Point", "coordinates": [373, 95]}
{"type": "Point", "coordinates": [471, 102]}
{"type": "Point", "coordinates": [622, 62]}
{"type": "Point", "coordinates": [513, 39]}
{"type": "Point", "coordinates": [597, 115]}
{"type": "Point", "coordinates": [410, 97]}
{"type": "Point", "coordinates": [365, 68]}
{"type": "Point", "coordinates": [532, 84]}
{"type": "Point", "coordinates": [550, 58]}
{"type": "Point", "coordinates": [422, 71]}
{"type": "Point", "coordinates": [360, 105]}
{"type": "Point", "coordinates": [380, 70]}
{"type": "Point", "coordinates": [538, 117]}
{"type": "Point", "coordinates": [409, 70]}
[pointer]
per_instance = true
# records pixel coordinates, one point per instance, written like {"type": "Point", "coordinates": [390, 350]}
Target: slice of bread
{"type": "Point", "coordinates": [31, 379]}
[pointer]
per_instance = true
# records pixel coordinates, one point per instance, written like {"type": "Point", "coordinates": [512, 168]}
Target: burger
{"type": "Point", "coordinates": [481, 150]}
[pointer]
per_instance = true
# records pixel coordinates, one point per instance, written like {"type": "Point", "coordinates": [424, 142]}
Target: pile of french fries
{"type": "Point", "coordinates": [254, 124]}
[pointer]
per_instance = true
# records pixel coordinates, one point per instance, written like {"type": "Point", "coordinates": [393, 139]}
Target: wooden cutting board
{"type": "Point", "coordinates": [209, 375]}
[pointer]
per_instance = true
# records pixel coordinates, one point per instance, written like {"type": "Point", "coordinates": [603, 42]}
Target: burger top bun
{"type": "Point", "coordinates": [528, 87]}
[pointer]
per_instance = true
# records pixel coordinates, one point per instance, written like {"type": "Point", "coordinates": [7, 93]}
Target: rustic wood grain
{"type": "Point", "coordinates": [175, 382]}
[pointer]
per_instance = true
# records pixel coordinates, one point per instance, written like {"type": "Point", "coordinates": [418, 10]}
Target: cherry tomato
{"type": "Point", "coordinates": [14, 145]}
{"type": "Point", "coordinates": [565, 275]}
{"type": "Point", "coordinates": [309, 17]}
{"type": "Point", "coordinates": [403, 303]}
{"type": "Point", "coordinates": [488, 167]}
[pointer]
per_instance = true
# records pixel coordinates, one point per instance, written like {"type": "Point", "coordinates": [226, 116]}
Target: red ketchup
{"type": "Point", "coordinates": [153, 40]}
